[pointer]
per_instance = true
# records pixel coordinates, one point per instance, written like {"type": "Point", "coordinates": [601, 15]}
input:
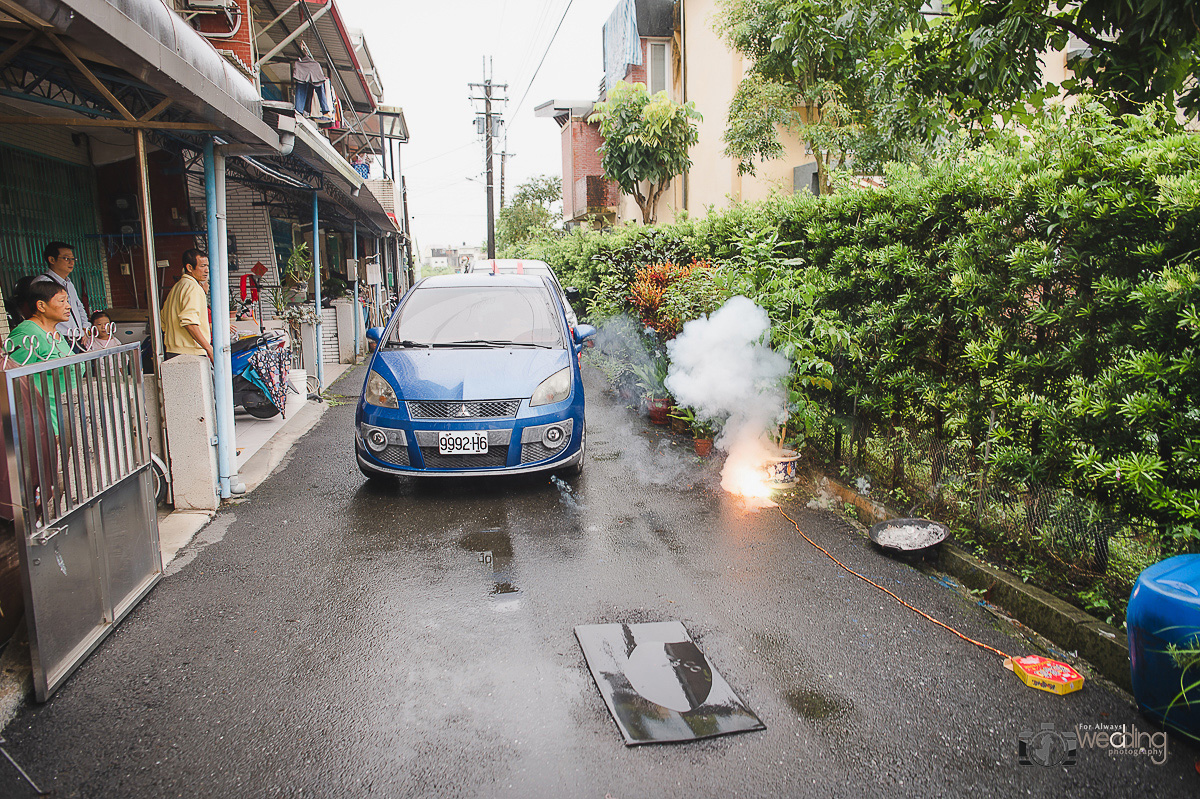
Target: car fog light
{"type": "Point", "coordinates": [377, 440]}
{"type": "Point", "coordinates": [553, 436]}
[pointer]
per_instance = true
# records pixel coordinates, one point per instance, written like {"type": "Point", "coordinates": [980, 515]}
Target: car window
{"type": "Point", "coordinates": [497, 314]}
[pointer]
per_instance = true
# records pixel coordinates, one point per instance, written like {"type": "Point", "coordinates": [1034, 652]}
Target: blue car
{"type": "Point", "coordinates": [474, 374]}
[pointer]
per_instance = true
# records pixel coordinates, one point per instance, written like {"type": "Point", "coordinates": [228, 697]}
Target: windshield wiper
{"type": "Point", "coordinates": [410, 343]}
{"type": "Point", "coordinates": [482, 342]}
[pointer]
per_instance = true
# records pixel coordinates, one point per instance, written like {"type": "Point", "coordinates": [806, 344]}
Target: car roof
{"type": "Point", "coordinates": [513, 265]}
{"type": "Point", "coordinates": [480, 279]}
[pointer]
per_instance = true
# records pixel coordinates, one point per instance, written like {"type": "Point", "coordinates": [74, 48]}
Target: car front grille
{"type": "Point", "coordinates": [532, 448]}
{"type": "Point", "coordinates": [494, 457]}
{"type": "Point", "coordinates": [537, 451]}
{"type": "Point", "coordinates": [463, 409]}
{"type": "Point", "coordinates": [396, 454]}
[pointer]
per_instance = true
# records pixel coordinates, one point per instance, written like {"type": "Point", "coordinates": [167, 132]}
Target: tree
{"type": "Point", "coordinates": [983, 58]}
{"type": "Point", "coordinates": [646, 140]}
{"type": "Point", "coordinates": [819, 70]}
{"type": "Point", "coordinates": [532, 213]}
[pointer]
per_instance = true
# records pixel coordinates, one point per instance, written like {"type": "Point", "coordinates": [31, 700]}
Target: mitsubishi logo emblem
{"type": "Point", "coordinates": [462, 411]}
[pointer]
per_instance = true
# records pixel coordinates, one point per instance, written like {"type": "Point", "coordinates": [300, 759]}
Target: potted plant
{"type": "Point", "coordinates": [650, 377]}
{"type": "Point", "coordinates": [297, 273]}
{"type": "Point", "coordinates": [703, 434]}
{"type": "Point", "coordinates": [297, 317]}
{"type": "Point", "coordinates": [333, 288]}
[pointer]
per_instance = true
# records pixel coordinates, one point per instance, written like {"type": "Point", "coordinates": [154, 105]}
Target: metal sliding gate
{"type": "Point", "coordinates": [81, 499]}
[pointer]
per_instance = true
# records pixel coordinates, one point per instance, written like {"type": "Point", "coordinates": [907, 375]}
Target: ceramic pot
{"type": "Point", "coordinates": [658, 407]}
{"type": "Point", "coordinates": [703, 446]}
{"type": "Point", "coordinates": [781, 469]}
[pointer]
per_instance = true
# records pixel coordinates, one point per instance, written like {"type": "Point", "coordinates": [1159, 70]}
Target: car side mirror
{"type": "Point", "coordinates": [584, 332]}
{"type": "Point", "coordinates": [375, 334]}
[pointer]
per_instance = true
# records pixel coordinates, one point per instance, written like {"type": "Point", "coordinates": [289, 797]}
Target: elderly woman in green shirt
{"type": "Point", "coordinates": [45, 304]}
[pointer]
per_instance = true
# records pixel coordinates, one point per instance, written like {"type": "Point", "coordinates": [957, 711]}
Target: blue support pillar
{"type": "Point", "coordinates": [317, 291]}
{"type": "Point", "coordinates": [378, 293]}
{"type": "Point", "coordinates": [218, 292]}
{"type": "Point", "coordinates": [357, 305]}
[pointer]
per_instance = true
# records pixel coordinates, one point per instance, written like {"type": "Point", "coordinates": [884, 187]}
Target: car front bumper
{"type": "Point", "coordinates": [375, 465]}
{"type": "Point", "coordinates": [411, 448]}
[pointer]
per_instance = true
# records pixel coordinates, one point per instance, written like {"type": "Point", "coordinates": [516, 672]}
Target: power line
{"type": "Point", "coordinates": [537, 30]}
{"type": "Point", "coordinates": [443, 186]}
{"type": "Point", "coordinates": [503, 12]}
{"type": "Point", "coordinates": [440, 155]}
{"type": "Point", "coordinates": [539, 66]}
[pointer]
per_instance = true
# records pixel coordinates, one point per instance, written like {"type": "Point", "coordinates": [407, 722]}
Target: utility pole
{"type": "Point", "coordinates": [487, 135]}
{"type": "Point", "coordinates": [487, 125]}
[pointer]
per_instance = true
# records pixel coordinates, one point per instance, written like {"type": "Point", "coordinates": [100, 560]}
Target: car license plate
{"type": "Point", "coordinates": [463, 443]}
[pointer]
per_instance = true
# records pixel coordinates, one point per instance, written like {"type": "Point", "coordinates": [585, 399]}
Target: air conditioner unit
{"type": "Point", "coordinates": [209, 4]}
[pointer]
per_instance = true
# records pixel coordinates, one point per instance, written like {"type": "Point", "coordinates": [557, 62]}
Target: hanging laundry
{"type": "Point", "coordinates": [310, 79]}
{"type": "Point", "coordinates": [362, 165]}
{"type": "Point", "coordinates": [249, 285]}
{"type": "Point", "coordinates": [333, 119]}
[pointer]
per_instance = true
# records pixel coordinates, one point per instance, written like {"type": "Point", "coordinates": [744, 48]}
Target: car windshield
{"type": "Point", "coordinates": [478, 316]}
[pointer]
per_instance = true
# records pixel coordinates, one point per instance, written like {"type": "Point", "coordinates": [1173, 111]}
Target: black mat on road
{"type": "Point", "coordinates": [659, 686]}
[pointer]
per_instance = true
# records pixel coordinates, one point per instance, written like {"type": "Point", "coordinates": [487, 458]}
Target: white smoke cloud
{"type": "Point", "coordinates": [721, 368]}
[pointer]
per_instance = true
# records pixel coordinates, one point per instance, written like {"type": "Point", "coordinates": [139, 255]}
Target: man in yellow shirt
{"type": "Point", "coordinates": [186, 329]}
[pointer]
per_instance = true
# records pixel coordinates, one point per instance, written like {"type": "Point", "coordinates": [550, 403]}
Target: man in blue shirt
{"type": "Point", "coordinates": [60, 261]}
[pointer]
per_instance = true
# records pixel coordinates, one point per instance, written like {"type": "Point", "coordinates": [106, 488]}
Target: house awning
{"type": "Point", "coordinates": [156, 46]}
{"type": "Point", "coordinates": [315, 165]}
{"type": "Point", "coordinates": [314, 149]}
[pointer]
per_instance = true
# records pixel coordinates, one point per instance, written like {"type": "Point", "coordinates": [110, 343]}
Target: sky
{"type": "Point", "coordinates": [427, 52]}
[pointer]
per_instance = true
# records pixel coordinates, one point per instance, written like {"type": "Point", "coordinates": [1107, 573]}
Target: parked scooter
{"type": "Point", "coordinates": [249, 386]}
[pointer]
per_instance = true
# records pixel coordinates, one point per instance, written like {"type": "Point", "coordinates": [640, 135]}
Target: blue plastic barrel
{"type": "Point", "coordinates": [1164, 609]}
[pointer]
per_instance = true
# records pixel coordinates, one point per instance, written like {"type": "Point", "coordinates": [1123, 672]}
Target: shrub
{"type": "Point", "coordinates": [1034, 298]}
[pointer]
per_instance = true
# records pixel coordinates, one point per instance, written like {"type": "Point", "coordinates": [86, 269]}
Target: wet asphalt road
{"type": "Point", "coordinates": [327, 637]}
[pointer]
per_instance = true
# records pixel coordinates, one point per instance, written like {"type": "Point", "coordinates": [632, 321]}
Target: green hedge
{"type": "Point", "coordinates": [1040, 296]}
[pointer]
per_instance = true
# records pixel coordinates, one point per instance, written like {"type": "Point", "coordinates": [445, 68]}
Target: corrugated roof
{"type": "Point", "coordinates": [328, 40]}
{"type": "Point", "coordinates": [155, 46]}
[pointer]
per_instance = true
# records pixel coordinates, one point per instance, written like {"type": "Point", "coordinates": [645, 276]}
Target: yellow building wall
{"type": "Point", "coordinates": [713, 73]}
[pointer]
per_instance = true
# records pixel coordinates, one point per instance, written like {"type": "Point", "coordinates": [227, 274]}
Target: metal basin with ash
{"type": "Point", "coordinates": [907, 536]}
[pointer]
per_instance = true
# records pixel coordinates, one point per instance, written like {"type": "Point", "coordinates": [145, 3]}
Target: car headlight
{"type": "Point", "coordinates": [555, 388]}
{"type": "Point", "coordinates": [379, 392]}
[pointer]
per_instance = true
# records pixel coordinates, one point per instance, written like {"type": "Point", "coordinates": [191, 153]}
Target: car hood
{"type": "Point", "coordinates": [469, 374]}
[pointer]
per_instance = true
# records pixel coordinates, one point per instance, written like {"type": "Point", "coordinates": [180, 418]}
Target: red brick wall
{"type": "Point", "coordinates": [581, 160]}
{"type": "Point", "coordinates": [636, 73]}
{"type": "Point", "coordinates": [239, 45]}
{"type": "Point", "coordinates": [568, 169]}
